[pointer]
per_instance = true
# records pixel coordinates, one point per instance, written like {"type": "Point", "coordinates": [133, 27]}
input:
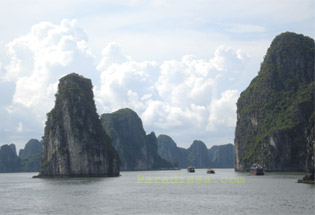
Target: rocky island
{"type": "Point", "coordinates": [273, 113]}
{"type": "Point", "coordinates": [310, 153]}
{"type": "Point", "coordinates": [197, 154]}
{"type": "Point", "coordinates": [9, 161]}
{"type": "Point", "coordinates": [74, 143]}
{"type": "Point", "coordinates": [136, 149]}
{"type": "Point", "coordinates": [27, 161]}
{"type": "Point", "coordinates": [30, 156]}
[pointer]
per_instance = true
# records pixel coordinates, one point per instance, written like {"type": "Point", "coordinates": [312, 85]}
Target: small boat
{"type": "Point", "coordinates": [210, 171]}
{"type": "Point", "coordinates": [256, 169]}
{"type": "Point", "coordinates": [191, 169]}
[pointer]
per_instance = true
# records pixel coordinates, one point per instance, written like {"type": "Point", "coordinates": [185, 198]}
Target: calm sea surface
{"type": "Point", "coordinates": [171, 192]}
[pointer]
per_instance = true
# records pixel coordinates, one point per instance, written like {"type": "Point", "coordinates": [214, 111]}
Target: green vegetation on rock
{"type": "Point", "coordinates": [272, 112]}
{"type": "Point", "coordinates": [75, 143]}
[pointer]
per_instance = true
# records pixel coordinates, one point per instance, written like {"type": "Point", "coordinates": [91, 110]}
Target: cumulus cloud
{"type": "Point", "coordinates": [39, 58]}
{"type": "Point", "coordinates": [223, 110]}
{"type": "Point", "coordinates": [111, 54]}
{"type": "Point", "coordinates": [36, 61]}
{"type": "Point", "coordinates": [186, 98]}
{"type": "Point", "coordinates": [124, 82]}
{"type": "Point", "coordinates": [228, 59]}
{"type": "Point", "coordinates": [175, 97]}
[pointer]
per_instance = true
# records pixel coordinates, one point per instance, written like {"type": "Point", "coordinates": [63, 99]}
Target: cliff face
{"type": "Point", "coordinates": [197, 154]}
{"type": "Point", "coordinates": [32, 147]}
{"type": "Point", "coordinates": [9, 161]}
{"type": "Point", "coordinates": [28, 160]}
{"type": "Point", "coordinates": [75, 143]}
{"type": "Point", "coordinates": [168, 150]}
{"type": "Point", "coordinates": [222, 156]}
{"type": "Point", "coordinates": [310, 151]}
{"type": "Point", "coordinates": [30, 156]}
{"type": "Point", "coordinates": [136, 150]}
{"type": "Point", "coordinates": [273, 112]}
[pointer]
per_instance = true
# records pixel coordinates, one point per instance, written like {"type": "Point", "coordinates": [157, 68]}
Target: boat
{"type": "Point", "coordinates": [191, 169]}
{"type": "Point", "coordinates": [210, 171]}
{"type": "Point", "coordinates": [256, 169]}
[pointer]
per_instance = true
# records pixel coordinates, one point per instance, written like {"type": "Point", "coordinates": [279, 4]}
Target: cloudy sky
{"type": "Point", "coordinates": [180, 64]}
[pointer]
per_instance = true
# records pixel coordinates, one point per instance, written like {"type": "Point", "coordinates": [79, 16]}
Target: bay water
{"type": "Point", "coordinates": [158, 192]}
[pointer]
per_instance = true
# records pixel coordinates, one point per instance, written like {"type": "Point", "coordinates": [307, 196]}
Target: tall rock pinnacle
{"type": "Point", "coordinates": [75, 143]}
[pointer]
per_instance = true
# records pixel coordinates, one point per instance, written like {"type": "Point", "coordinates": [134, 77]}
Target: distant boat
{"type": "Point", "coordinates": [210, 171]}
{"type": "Point", "coordinates": [256, 169]}
{"type": "Point", "coordinates": [191, 169]}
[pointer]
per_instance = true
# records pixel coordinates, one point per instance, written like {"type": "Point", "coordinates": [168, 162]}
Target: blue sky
{"type": "Point", "coordinates": [180, 65]}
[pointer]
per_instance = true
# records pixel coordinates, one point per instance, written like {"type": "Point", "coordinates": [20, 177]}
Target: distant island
{"type": "Point", "coordinates": [197, 154]}
{"type": "Point", "coordinates": [137, 151]}
{"type": "Point", "coordinates": [27, 161]}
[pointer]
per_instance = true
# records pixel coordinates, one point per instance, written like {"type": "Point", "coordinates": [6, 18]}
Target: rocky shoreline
{"type": "Point", "coordinates": [77, 176]}
{"type": "Point", "coordinates": [305, 181]}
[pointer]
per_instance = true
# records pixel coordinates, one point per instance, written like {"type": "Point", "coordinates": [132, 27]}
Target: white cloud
{"type": "Point", "coordinates": [187, 98]}
{"type": "Point", "coordinates": [112, 54]}
{"type": "Point", "coordinates": [124, 82]}
{"type": "Point", "coordinates": [41, 57]}
{"type": "Point", "coordinates": [223, 110]}
{"type": "Point", "coordinates": [175, 97]}
{"type": "Point", "coordinates": [36, 62]}
{"type": "Point", "coordinates": [175, 94]}
{"type": "Point", "coordinates": [228, 59]}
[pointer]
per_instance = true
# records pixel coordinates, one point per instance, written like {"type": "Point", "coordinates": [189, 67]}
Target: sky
{"type": "Point", "coordinates": [180, 64]}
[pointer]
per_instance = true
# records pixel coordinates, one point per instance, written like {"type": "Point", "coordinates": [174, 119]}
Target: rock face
{"type": "Point", "coordinates": [137, 151]}
{"type": "Point", "coordinates": [32, 147]}
{"type": "Point", "coordinates": [75, 143]}
{"type": "Point", "coordinates": [168, 150]}
{"type": "Point", "coordinates": [310, 151]}
{"type": "Point", "coordinates": [30, 156]}
{"type": "Point", "coordinates": [28, 160]}
{"type": "Point", "coordinates": [9, 161]}
{"type": "Point", "coordinates": [274, 111]}
{"type": "Point", "coordinates": [222, 156]}
{"type": "Point", "coordinates": [197, 154]}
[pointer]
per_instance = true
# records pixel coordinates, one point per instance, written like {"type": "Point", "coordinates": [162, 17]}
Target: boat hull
{"type": "Point", "coordinates": [190, 169]}
{"type": "Point", "coordinates": [210, 171]}
{"type": "Point", "coordinates": [257, 171]}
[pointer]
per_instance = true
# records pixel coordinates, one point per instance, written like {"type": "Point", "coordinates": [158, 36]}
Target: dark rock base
{"type": "Point", "coordinates": [305, 181]}
{"type": "Point", "coordinates": [76, 176]}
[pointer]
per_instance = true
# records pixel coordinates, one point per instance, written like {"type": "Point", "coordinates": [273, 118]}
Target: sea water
{"type": "Point", "coordinates": [158, 192]}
